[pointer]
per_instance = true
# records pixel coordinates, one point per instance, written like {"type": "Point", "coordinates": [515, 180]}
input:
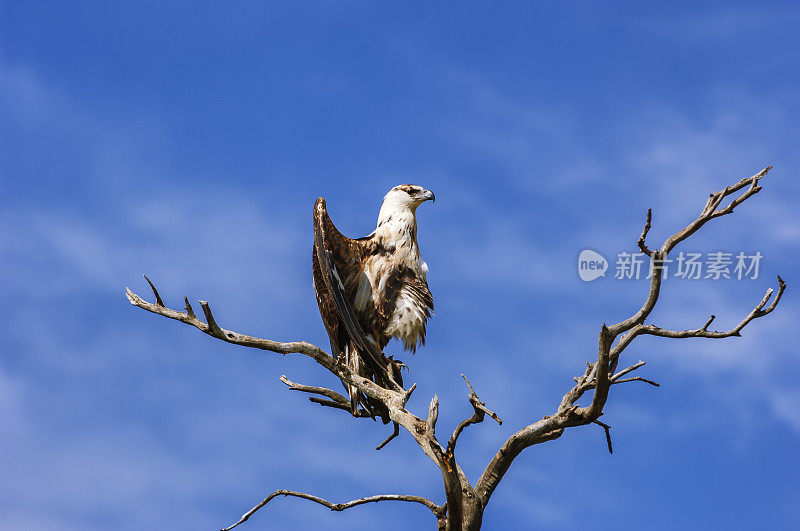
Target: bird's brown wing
{"type": "Point", "coordinates": [337, 263]}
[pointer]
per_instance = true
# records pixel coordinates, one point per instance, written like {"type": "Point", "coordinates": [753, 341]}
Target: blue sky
{"type": "Point", "coordinates": [189, 143]}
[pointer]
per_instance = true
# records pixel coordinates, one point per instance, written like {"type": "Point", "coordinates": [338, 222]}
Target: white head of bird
{"type": "Point", "coordinates": [401, 202]}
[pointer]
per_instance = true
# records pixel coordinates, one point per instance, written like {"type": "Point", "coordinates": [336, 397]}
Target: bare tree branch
{"type": "Point", "coordinates": [335, 401]}
{"type": "Point", "coordinates": [213, 327]}
{"type": "Point", "coordinates": [188, 308]}
{"type": "Point", "coordinates": [480, 412]}
{"type": "Point", "coordinates": [637, 379]}
{"type": "Point", "coordinates": [757, 312]}
{"type": "Point", "coordinates": [598, 375]}
{"type": "Point", "coordinates": [188, 317]}
{"type": "Point", "coordinates": [455, 482]}
{"type": "Point", "coordinates": [395, 433]}
{"type": "Point", "coordinates": [708, 213]}
{"type": "Point", "coordinates": [159, 302]}
{"type": "Point", "coordinates": [364, 385]}
{"type": "Point", "coordinates": [607, 429]}
{"type": "Point", "coordinates": [336, 405]}
{"type": "Point", "coordinates": [645, 230]}
{"type": "Point", "coordinates": [617, 378]}
{"type": "Point", "coordinates": [630, 369]}
{"type": "Point", "coordinates": [433, 414]}
{"type": "Point", "coordinates": [437, 510]}
{"type": "Point", "coordinates": [324, 391]}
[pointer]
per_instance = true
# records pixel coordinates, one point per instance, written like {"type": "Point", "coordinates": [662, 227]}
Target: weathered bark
{"type": "Point", "coordinates": [464, 504]}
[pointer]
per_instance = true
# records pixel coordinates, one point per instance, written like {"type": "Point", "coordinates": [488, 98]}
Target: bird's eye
{"type": "Point", "coordinates": [411, 191]}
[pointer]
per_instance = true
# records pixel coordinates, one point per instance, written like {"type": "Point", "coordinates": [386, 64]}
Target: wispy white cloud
{"type": "Point", "coordinates": [519, 137]}
{"type": "Point", "coordinates": [784, 402]}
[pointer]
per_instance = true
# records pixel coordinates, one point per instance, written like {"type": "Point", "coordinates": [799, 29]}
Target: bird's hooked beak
{"type": "Point", "coordinates": [429, 196]}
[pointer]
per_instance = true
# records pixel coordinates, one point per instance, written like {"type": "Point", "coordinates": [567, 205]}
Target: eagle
{"type": "Point", "coordinates": [372, 289]}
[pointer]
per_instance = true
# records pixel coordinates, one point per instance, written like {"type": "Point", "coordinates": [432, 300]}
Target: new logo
{"type": "Point", "coordinates": [591, 265]}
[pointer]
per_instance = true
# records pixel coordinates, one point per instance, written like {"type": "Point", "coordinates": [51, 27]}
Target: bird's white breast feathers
{"type": "Point", "coordinates": [408, 318]}
{"type": "Point", "coordinates": [397, 232]}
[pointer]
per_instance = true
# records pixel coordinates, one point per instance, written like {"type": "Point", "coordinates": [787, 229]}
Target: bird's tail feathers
{"type": "Point", "coordinates": [355, 365]}
{"type": "Point", "coordinates": [359, 367]}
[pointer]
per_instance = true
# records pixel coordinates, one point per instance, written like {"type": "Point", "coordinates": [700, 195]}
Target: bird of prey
{"type": "Point", "coordinates": [372, 289]}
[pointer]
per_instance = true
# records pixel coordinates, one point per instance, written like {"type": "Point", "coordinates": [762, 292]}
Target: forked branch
{"type": "Point", "coordinates": [480, 411]}
{"type": "Point", "coordinates": [188, 317]}
{"type": "Point", "coordinates": [211, 328]}
{"type": "Point", "coordinates": [613, 340]}
{"type": "Point", "coordinates": [393, 399]}
{"type": "Point", "coordinates": [758, 311]}
{"type": "Point", "coordinates": [334, 399]}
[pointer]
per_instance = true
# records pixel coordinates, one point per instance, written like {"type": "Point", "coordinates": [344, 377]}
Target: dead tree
{"type": "Point", "coordinates": [465, 502]}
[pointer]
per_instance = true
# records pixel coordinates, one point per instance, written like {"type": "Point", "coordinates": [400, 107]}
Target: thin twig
{"type": "Point", "coordinates": [188, 308]}
{"type": "Point", "coordinates": [437, 510]}
{"type": "Point", "coordinates": [637, 379]}
{"type": "Point", "coordinates": [395, 433]}
{"type": "Point", "coordinates": [645, 230]}
{"type": "Point", "coordinates": [324, 391]}
{"type": "Point", "coordinates": [607, 428]}
{"type": "Point", "coordinates": [480, 410]}
{"type": "Point", "coordinates": [155, 291]}
{"type": "Point", "coordinates": [632, 368]}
